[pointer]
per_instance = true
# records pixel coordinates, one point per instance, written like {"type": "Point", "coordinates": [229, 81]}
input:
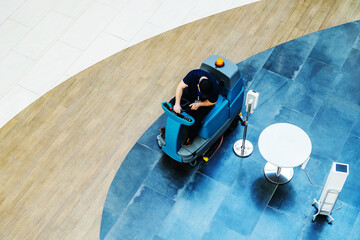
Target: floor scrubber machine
{"type": "Point", "coordinates": [222, 116]}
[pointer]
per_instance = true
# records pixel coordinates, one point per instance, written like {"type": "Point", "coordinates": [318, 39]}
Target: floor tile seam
{"type": "Point", "coordinates": [17, 22]}
{"type": "Point", "coordinates": [324, 63]}
{"type": "Point", "coordinates": [260, 68]}
{"type": "Point", "coordinates": [137, 194]}
{"type": "Point", "coordinates": [19, 77]}
{"type": "Point", "coordinates": [107, 5]}
{"type": "Point", "coordinates": [350, 134]}
{"type": "Point", "coordinates": [117, 215]}
{"type": "Point", "coordinates": [5, 91]}
{"type": "Point", "coordinates": [139, 29]}
{"type": "Point", "coordinates": [218, 209]}
{"type": "Point", "coordinates": [75, 47]}
{"type": "Point", "coordinates": [156, 191]}
{"type": "Point", "coordinates": [18, 7]}
{"type": "Point", "coordinates": [59, 36]}
{"type": "Point", "coordinates": [186, 183]}
{"type": "Point", "coordinates": [130, 42]}
{"type": "Point", "coordinates": [81, 52]}
{"type": "Point", "coordinates": [53, 78]}
{"type": "Point", "coordinates": [345, 100]}
{"type": "Point", "coordinates": [142, 184]}
{"type": "Point", "coordinates": [22, 54]}
{"type": "Point", "coordinates": [57, 39]}
{"type": "Point", "coordinates": [146, 146]}
{"type": "Point", "coordinates": [191, 15]}
{"type": "Point", "coordinates": [63, 14]}
{"type": "Point", "coordinates": [228, 192]}
{"type": "Point", "coordinates": [353, 48]}
{"type": "Point", "coordinates": [288, 215]}
{"type": "Point", "coordinates": [95, 38]}
{"type": "Point", "coordinates": [50, 45]}
{"type": "Point", "coordinates": [229, 186]}
{"type": "Point", "coordinates": [184, 16]}
{"type": "Point", "coordinates": [354, 226]}
{"type": "Point", "coordinates": [279, 75]}
{"type": "Point", "coordinates": [104, 30]}
{"type": "Point", "coordinates": [224, 185]}
{"type": "Point", "coordinates": [346, 58]}
{"type": "Point", "coordinates": [315, 98]}
{"type": "Point", "coordinates": [262, 212]}
{"type": "Point", "coordinates": [39, 20]}
{"type": "Point", "coordinates": [161, 4]}
{"type": "Point", "coordinates": [152, 169]}
{"type": "Point", "coordinates": [287, 81]}
{"type": "Point", "coordinates": [300, 113]}
{"type": "Point", "coordinates": [335, 67]}
{"type": "Point", "coordinates": [300, 237]}
{"type": "Point", "coordinates": [21, 86]}
{"type": "Point", "coordinates": [326, 99]}
{"type": "Point", "coordinates": [301, 65]}
{"type": "Point", "coordinates": [80, 14]}
{"type": "Point", "coordinates": [123, 39]}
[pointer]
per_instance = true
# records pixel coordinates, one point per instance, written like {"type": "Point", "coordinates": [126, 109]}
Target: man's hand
{"type": "Point", "coordinates": [195, 106]}
{"type": "Point", "coordinates": [177, 108]}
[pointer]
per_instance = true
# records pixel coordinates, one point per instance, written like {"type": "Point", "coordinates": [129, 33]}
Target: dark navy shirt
{"type": "Point", "coordinates": [191, 92]}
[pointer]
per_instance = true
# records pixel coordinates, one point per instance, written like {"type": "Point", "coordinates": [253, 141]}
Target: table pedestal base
{"type": "Point", "coordinates": [278, 175]}
{"type": "Point", "coordinates": [243, 152]}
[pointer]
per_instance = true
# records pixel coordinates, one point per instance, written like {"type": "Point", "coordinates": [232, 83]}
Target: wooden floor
{"type": "Point", "coordinates": [59, 156]}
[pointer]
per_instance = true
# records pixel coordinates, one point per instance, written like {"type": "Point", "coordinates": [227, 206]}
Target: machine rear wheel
{"type": "Point", "coordinates": [159, 143]}
{"type": "Point", "coordinates": [193, 162]}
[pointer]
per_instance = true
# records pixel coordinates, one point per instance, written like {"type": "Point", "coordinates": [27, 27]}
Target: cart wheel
{"type": "Point", "coordinates": [158, 143]}
{"type": "Point", "coordinates": [193, 163]}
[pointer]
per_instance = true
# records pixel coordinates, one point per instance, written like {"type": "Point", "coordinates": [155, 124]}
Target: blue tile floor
{"type": "Point", "coordinates": [312, 82]}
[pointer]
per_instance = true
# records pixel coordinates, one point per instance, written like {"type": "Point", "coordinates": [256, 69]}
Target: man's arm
{"type": "Point", "coordinates": [196, 105]}
{"type": "Point", "coordinates": [178, 94]}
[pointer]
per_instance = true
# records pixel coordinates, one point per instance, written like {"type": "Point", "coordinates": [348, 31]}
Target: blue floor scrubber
{"type": "Point", "coordinates": [223, 115]}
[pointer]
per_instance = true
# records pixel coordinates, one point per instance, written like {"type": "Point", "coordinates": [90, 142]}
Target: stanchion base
{"type": "Point", "coordinates": [285, 175]}
{"type": "Point", "coordinates": [239, 151]}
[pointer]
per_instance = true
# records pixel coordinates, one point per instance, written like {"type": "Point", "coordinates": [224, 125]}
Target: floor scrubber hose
{"type": "Point", "coordinates": [209, 154]}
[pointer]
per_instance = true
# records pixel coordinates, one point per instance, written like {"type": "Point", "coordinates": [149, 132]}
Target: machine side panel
{"type": "Point", "coordinates": [236, 90]}
{"type": "Point", "coordinates": [236, 105]}
{"type": "Point", "coordinates": [216, 118]}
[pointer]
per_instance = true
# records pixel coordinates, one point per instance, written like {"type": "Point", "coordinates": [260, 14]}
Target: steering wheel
{"type": "Point", "coordinates": [184, 104]}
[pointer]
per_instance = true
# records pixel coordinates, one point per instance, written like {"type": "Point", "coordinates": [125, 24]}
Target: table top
{"type": "Point", "coordinates": [284, 145]}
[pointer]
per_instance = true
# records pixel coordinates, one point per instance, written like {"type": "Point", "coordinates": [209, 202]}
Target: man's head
{"type": "Point", "coordinates": [205, 87]}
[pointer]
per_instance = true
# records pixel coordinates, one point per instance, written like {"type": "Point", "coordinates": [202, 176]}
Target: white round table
{"type": "Point", "coordinates": [284, 146]}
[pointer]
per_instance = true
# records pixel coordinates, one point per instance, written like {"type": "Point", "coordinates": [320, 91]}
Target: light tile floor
{"type": "Point", "coordinates": [45, 42]}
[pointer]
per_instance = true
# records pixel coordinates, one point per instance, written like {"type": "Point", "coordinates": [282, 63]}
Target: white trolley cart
{"type": "Point", "coordinates": [331, 191]}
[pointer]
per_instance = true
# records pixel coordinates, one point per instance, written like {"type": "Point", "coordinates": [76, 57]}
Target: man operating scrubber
{"type": "Point", "coordinates": [199, 89]}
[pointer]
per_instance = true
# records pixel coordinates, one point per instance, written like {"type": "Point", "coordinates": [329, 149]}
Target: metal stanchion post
{"type": "Point", "coordinates": [244, 148]}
